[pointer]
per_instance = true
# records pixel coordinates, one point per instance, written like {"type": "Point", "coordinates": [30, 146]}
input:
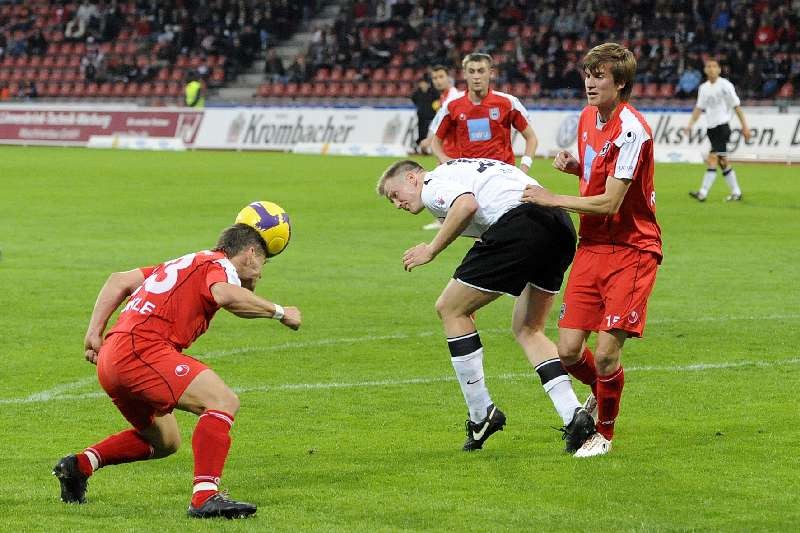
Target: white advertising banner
{"type": "Point", "coordinates": [776, 136]}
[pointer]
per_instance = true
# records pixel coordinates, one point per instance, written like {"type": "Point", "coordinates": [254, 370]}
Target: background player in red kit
{"type": "Point", "coordinates": [481, 120]}
{"type": "Point", "coordinates": [142, 367]}
{"type": "Point", "coordinates": [620, 241]}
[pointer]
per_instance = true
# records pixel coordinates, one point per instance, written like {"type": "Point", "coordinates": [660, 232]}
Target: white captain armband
{"type": "Point", "coordinates": [526, 160]}
{"type": "Point", "coordinates": [279, 312]}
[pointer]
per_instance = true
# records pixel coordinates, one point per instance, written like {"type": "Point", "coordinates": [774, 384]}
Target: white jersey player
{"type": "Point", "coordinates": [523, 250]}
{"type": "Point", "coordinates": [718, 99]}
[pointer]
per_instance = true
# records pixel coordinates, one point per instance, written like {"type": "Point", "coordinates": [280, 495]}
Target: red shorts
{"type": "Point", "coordinates": [608, 288]}
{"type": "Point", "coordinates": [144, 378]}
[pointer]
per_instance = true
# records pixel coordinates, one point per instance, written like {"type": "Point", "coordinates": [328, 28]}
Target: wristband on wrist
{"type": "Point", "coordinates": [279, 313]}
{"type": "Point", "coordinates": [526, 160]}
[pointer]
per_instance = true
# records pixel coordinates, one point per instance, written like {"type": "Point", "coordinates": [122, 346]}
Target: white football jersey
{"type": "Point", "coordinates": [718, 100]}
{"type": "Point", "coordinates": [497, 187]}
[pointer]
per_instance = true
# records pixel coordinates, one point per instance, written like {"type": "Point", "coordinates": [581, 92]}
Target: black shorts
{"type": "Point", "coordinates": [528, 244]}
{"type": "Point", "coordinates": [719, 137]}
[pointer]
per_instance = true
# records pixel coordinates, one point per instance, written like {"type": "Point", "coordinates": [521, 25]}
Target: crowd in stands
{"type": "Point", "coordinates": [537, 46]}
{"type": "Point", "coordinates": [381, 47]}
{"type": "Point", "coordinates": [133, 48]}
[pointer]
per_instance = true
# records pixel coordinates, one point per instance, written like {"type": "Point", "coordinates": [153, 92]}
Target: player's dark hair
{"type": "Point", "coordinates": [621, 60]}
{"type": "Point", "coordinates": [240, 237]}
{"type": "Point", "coordinates": [395, 169]}
{"type": "Point", "coordinates": [438, 67]}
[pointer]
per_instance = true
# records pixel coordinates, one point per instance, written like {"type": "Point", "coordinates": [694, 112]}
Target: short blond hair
{"type": "Point", "coordinates": [621, 61]}
{"type": "Point", "coordinates": [395, 170]}
{"type": "Point", "coordinates": [477, 57]}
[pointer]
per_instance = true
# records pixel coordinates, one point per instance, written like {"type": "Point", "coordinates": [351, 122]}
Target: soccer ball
{"type": "Point", "coordinates": [271, 222]}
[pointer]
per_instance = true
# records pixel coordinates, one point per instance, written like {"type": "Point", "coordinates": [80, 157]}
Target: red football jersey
{"type": "Point", "coordinates": [174, 303]}
{"type": "Point", "coordinates": [449, 144]}
{"type": "Point", "coordinates": [623, 148]}
{"type": "Point", "coordinates": [483, 130]}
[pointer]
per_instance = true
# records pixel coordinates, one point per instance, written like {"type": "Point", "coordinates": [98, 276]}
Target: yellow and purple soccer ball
{"type": "Point", "coordinates": [271, 222]}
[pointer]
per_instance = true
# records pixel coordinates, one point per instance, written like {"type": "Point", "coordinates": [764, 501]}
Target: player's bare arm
{"type": "Point", "coordinates": [566, 162]}
{"type": "Point", "coordinates": [696, 112]}
{"type": "Point", "coordinates": [607, 203]}
{"type": "Point", "coordinates": [743, 121]}
{"type": "Point", "coordinates": [458, 218]}
{"type": "Point", "coordinates": [245, 304]}
{"type": "Point", "coordinates": [531, 143]}
{"type": "Point", "coordinates": [438, 150]}
{"type": "Point", "coordinates": [117, 287]}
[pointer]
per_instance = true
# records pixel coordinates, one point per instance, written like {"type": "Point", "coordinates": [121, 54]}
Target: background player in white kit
{"type": "Point", "coordinates": [523, 251]}
{"type": "Point", "coordinates": [717, 97]}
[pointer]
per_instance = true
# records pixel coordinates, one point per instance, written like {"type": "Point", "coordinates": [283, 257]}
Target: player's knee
{"type": "Point", "coordinates": [606, 363]}
{"type": "Point", "coordinates": [569, 352]}
{"type": "Point", "coordinates": [230, 402]}
{"type": "Point", "coordinates": [526, 332]}
{"type": "Point", "coordinates": [169, 446]}
{"type": "Point", "coordinates": [443, 307]}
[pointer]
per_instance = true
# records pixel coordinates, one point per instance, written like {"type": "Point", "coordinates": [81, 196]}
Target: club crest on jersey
{"type": "Point", "coordinates": [181, 370]}
{"type": "Point", "coordinates": [439, 201]}
{"type": "Point", "coordinates": [633, 318]}
{"type": "Point", "coordinates": [462, 116]}
{"type": "Point", "coordinates": [584, 136]}
{"type": "Point", "coordinates": [604, 150]}
{"type": "Point", "coordinates": [494, 113]}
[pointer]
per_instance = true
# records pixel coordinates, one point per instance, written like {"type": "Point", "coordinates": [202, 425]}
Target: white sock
{"type": "Point", "coordinates": [558, 386]}
{"type": "Point", "coordinates": [469, 370]}
{"type": "Point", "coordinates": [94, 460]}
{"type": "Point", "coordinates": [708, 181]}
{"type": "Point", "coordinates": [730, 177]}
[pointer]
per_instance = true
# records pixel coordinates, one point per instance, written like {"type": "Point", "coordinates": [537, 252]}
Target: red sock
{"type": "Point", "coordinates": [585, 370]}
{"type": "Point", "coordinates": [124, 447]}
{"type": "Point", "coordinates": [609, 392]}
{"type": "Point", "coordinates": [210, 444]}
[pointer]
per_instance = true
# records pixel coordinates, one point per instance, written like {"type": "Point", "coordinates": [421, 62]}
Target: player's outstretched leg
{"type": "Point", "coordinates": [73, 471]}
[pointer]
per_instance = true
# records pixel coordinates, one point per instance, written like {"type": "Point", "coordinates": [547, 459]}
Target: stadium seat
{"type": "Point", "coordinates": [361, 89]}
{"type": "Point", "coordinates": [264, 90]}
{"type": "Point", "coordinates": [105, 90]}
{"type": "Point", "coordinates": [637, 90]}
{"type": "Point", "coordinates": [346, 90]}
{"type": "Point", "coordinates": [305, 90]}
{"type": "Point", "coordinates": [322, 74]}
{"type": "Point", "coordinates": [319, 90]}
{"type": "Point", "coordinates": [278, 89]}
{"type": "Point", "coordinates": [651, 90]}
{"type": "Point", "coordinates": [291, 90]}
{"type": "Point", "coordinates": [666, 90]}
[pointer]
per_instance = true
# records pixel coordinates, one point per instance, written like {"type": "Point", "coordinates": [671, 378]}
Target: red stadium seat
{"type": "Point", "coordinates": [78, 90]}
{"type": "Point", "coordinates": [376, 89]}
{"type": "Point", "coordinates": [264, 90]}
{"type": "Point", "coordinates": [35, 61]}
{"type": "Point", "coordinates": [346, 90]}
{"type": "Point", "coordinates": [666, 90]}
{"type": "Point", "coordinates": [305, 90]}
{"type": "Point", "coordinates": [320, 90]}
{"type": "Point", "coordinates": [361, 89]}
{"type": "Point", "coordinates": [337, 73]}
{"type": "Point", "coordinates": [651, 90]}
{"type": "Point", "coordinates": [278, 89]}
{"type": "Point", "coordinates": [520, 89]}
{"type": "Point", "coordinates": [105, 90]}
{"type": "Point", "coordinates": [291, 90]}
{"type": "Point", "coordinates": [637, 90]}
{"type": "Point", "coordinates": [333, 90]}
{"type": "Point", "coordinates": [393, 74]}
{"type": "Point", "coordinates": [322, 74]}
{"type": "Point", "coordinates": [378, 74]}
{"type": "Point", "coordinates": [91, 90]}
{"type": "Point", "coordinates": [65, 90]}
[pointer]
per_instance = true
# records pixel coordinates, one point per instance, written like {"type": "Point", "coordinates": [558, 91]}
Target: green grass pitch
{"type": "Point", "coordinates": [355, 422]}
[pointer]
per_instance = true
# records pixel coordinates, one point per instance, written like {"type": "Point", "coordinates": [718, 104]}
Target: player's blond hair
{"type": "Point", "coordinates": [477, 57]}
{"type": "Point", "coordinates": [395, 170]}
{"type": "Point", "coordinates": [621, 61]}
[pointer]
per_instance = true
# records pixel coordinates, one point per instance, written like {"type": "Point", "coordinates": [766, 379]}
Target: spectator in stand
{"type": "Point", "coordinates": [299, 70]}
{"type": "Point", "coordinates": [273, 67]}
{"type": "Point", "coordinates": [688, 82]}
{"type": "Point", "coordinates": [37, 44]}
{"type": "Point", "coordinates": [75, 30]}
{"type": "Point", "coordinates": [28, 90]}
{"type": "Point", "coordinates": [5, 92]}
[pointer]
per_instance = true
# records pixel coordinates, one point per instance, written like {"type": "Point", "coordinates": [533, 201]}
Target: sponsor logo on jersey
{"type": "Point", "coordinates": [181, 370]}
{"type": "Point", "coordinates": [494, 113]}
{"type": "Point", "coordinates": [479, 129]}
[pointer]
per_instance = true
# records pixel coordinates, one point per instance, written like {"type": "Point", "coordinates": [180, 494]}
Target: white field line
{"type": "Point", "coordinates": [58, 390]}
{"type": "Point", "coordinates": [516, 376]}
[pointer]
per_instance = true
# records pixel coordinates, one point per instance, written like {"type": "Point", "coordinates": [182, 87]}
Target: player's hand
{"type": "Point", "coordinates": [746, 134]}
{"type": "Point", "coordinates": [416, 256]}
{"type": "Point", "coordinates": [91, 346]}
{"type": "Point", "coordinates": [566, 162]}
{"type": "Point", "coordinates": [291, 318]}
{"type": "Point", "coordinates": [534, 194]}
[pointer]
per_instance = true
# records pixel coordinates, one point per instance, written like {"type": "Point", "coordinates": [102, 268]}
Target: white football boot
{"type": "Point", "coordinates": [595, 445]}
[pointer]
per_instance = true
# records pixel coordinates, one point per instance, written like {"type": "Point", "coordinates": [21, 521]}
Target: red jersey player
{"type": "Point", "coordinates": [443, 83]}
{"type": "Point", "coordinates": [142, 367]}
{"type": "Point", "coordinates": [480, 122]}
{"type": "Point", "coordinates": [620, 241]}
